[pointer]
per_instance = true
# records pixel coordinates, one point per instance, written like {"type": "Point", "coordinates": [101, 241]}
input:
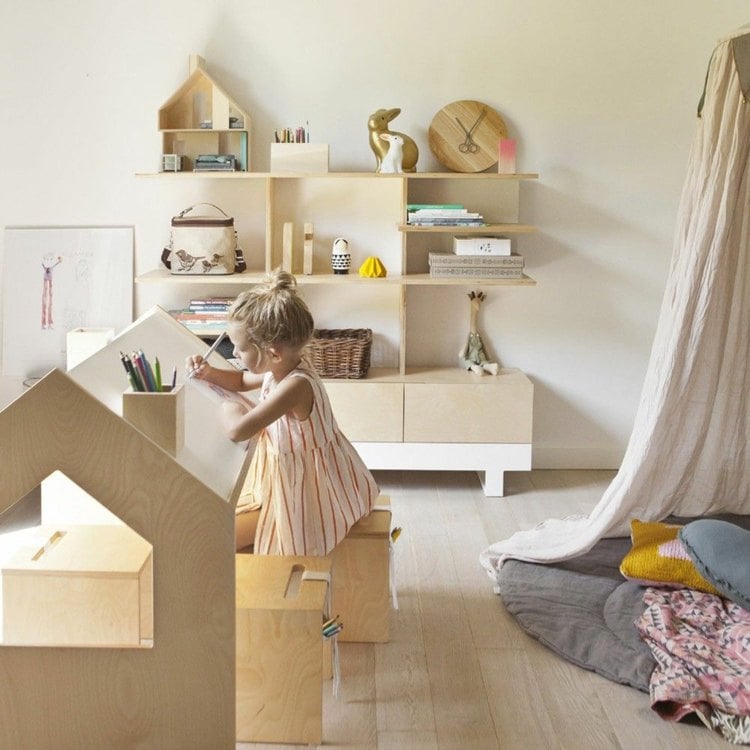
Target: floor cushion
{"type": "Point", "coordinates": [721, 552]}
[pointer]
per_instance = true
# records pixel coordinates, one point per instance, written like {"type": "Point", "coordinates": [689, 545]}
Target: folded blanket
{"type": "Point", "coordinates": [701, 644]}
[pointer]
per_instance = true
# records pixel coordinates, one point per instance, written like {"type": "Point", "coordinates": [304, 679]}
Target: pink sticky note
{"type": "Point", "coordinates": [506, 156]}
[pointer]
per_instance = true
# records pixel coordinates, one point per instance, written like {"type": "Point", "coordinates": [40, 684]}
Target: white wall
{"type": "Point", "coordinates": [600, 94]}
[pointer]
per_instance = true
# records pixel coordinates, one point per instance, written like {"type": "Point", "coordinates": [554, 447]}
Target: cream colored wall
{"type": "Point", "coordinates": [601, 96]}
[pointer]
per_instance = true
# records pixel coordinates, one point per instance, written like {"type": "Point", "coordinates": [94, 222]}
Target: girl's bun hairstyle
{"type": "Point", "coordinates": [272, 312]}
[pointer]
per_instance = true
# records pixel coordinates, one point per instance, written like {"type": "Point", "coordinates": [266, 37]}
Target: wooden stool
{"type": "Point", "coordinates": [280, 648]}
{"type": "Point", "coordinates": [361, 578]}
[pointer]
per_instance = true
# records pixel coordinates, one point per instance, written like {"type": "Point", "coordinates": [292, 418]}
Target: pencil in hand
{"type": "Point", "coordinates": [210, 351]}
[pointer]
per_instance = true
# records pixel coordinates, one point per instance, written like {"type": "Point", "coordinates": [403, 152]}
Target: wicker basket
{"type": "Point", "coordinates": [341, 352]}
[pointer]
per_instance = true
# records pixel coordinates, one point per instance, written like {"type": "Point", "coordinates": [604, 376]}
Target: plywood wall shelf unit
{"type": "Point", "coordinates": [370, 211]}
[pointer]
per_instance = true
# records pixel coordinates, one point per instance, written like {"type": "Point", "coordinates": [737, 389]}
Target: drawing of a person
{"type": "Point", "coordinates": [48, 265]}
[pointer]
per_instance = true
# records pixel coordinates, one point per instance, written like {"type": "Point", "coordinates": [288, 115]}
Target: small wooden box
{"type": "Point", "coordinates": [160, 416]}
{"type": "Point", "coordinates": [299, 158]}
{"type": "Point", "coordinates": [361, 578]}
{"type": "Point", "coordinates": [79, 586]}
{"type": "Point", "coordinates": [280, 648]}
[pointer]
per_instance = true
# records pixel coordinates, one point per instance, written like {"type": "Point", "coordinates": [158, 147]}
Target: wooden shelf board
{"type": "Point", "coordinates": [459, 376]}
{"type": "Point", "coordinates": [470, 176]}
{"type": "Point", "coordinates": [478, 230]}
{"type": "Point", "coordinates": [202, 175]}
{"type": "Point", "coordinates": [374, 375]}
{"type": "Point", "coordinates": [203, 130]}
{"type": "Point", "coordinates": [424, 279]}
{"type": "Point", "coordinates": [247, 278]}
{"type": "Point", "coordinates": [344, 175]}
{"type": "Point", "coordinates": [161, 275]}
{"type": "Point", "coordinates": [439, 375]}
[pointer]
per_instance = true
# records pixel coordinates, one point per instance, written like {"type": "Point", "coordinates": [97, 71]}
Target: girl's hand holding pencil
{"type": "Point", "coordinates": [196, 362]}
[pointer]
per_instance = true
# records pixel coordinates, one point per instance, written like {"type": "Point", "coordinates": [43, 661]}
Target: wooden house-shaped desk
{"type": "Point", "coordinates": [179, 690]}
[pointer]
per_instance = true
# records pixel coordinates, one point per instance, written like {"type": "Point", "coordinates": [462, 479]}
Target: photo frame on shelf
{"type": "Point", "coordinates": [57, 279]}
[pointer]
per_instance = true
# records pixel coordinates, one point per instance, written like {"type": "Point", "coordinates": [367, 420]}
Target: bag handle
{"type": "Point", "coordinates": [187, 210]}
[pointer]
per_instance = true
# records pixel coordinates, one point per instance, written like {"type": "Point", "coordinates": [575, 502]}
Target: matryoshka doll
{"type": "Point", "coordinates": [341, 260]}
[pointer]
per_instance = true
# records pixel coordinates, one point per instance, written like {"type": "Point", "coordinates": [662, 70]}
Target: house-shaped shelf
{"type": "Point", "coordinates": [176, 686]}
{"type": "Point", "coordinates": [201, 119]}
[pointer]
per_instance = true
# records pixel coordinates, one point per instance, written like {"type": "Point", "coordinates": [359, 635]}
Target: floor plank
{"type": "Point", "coordinates": [458, 672]}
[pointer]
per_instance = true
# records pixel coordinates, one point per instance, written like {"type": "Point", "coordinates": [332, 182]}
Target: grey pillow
{"type": "Point", "coordinates": [721, 552]}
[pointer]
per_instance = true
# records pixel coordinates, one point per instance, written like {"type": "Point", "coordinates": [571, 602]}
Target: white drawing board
{"type": "Point", "coordinates": [56, 279]}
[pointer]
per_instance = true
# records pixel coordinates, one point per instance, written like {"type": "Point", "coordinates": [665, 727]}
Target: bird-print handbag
{"type": "Point", "coordinates": [203, 245]}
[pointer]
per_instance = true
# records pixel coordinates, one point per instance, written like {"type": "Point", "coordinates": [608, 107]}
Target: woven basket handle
{"type": "Point", "coordinates": [187, 210]}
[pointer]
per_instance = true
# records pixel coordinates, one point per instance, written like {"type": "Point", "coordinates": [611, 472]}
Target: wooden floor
{"type": "Point", "coordinates": [458, 672]}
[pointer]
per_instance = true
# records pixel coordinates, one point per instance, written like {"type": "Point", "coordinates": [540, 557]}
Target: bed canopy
{"type": "Point", "coordinates": [689, 452]}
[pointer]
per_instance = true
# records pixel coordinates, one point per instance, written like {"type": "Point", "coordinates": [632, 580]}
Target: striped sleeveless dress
{"type": "Point", "coordinates": [309, 481]}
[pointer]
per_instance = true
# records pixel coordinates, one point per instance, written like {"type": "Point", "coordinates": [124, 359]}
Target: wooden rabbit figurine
{"type": "Point", "coordinates": [472, 356]}
{"type": "Point", "coordinates": [377, 125]}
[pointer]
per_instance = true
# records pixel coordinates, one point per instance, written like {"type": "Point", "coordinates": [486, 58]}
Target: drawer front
{"type": "Point", "coordinates": [368, 412]}
{"type": "Point", "coordinates": [478, 413]}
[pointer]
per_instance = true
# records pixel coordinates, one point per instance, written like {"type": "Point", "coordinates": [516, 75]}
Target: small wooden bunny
{"type": "Point", "coordinates": [393, 160]}
{"type": "Point", "coordinates": [472, 356]}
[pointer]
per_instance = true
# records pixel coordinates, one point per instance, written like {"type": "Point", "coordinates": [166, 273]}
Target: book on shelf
{"type": "Point", "coordinates": [442, 215]}
{"type": "Point", "coordinates": [201, 323]}
{"type": "Point", "coordinates": [212, 300]}
{"type": "Point", "coordinates": [451, 260]}
{"type": "Point", "coordinates": [465, 245]}
{"type": "Point", "coordinates": [479, 272]}
{"type": "Point", "coordinates": [447, 223]}
{"type": "Point", "coordinates": [210, 304]}
{"type": "Point", "coordinates": [431, 206]}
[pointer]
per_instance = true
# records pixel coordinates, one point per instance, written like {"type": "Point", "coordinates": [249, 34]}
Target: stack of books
{"type": "Point", "coordinates": [442, 215]}
{"type": "Point", "coordinates": [485, 266]}
{"type": "Point", "coordinates": [204, 316]}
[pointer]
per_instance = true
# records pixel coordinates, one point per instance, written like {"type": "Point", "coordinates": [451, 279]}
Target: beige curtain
{"type": "Point", "coordinates": [689, 452]}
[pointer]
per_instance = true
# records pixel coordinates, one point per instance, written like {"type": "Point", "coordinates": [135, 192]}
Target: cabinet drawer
{"type": "Point", "coordinates": [368, 412]}
{"type": "Point", "coordinates": [492, 412]}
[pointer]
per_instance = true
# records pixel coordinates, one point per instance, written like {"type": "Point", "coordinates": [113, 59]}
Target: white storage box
{"type": "Point", "coordinates": [471, 245]}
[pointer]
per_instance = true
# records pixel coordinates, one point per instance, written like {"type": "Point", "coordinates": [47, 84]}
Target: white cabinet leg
{"type": "Point", "coordinates": [492, 482]}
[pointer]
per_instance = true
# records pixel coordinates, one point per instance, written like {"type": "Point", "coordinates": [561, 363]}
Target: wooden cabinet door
{"type": "Point", "coordinates": [368, 412]}
{"type": "Point", "coordinates": [493, 411]}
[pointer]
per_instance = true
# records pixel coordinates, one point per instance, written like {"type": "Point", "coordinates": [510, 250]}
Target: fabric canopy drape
{"type": "Point", "coordinates": [688, 453]}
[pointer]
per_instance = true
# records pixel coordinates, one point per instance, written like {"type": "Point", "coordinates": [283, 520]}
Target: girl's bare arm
{"type": "Point", "coordinates": [293, 397]}
{"type": "Point", "coordinates": [230, 380]}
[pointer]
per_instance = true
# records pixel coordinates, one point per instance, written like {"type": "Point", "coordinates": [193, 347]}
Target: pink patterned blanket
{"type": "Point", "coordinates": [701, 644]}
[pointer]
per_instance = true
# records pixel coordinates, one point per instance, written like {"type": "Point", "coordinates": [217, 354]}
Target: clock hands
{"type": "Point", "coordinates": [469, 146]}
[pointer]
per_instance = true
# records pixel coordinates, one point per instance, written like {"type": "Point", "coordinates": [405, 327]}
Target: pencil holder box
{"type": "Point", "coordinates": [159, 415]}
{"type": "Point", "coordinates": [300, 158]}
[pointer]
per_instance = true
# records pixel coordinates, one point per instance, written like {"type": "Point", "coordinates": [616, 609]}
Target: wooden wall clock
{"type": "Point", "coordinates": [465, 135]}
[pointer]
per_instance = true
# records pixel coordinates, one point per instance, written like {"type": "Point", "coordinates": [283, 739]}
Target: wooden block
{"type": "Point", "coordinates": [299, 158]}
{"type": "Point", "coordinates": [280, 648]}
{"type": "Point", "coordinates": [506, 162]}
{"type": "Point", "coordinates": [79, 586]}
{"type": "Point", "coordinates": [361, 578]}
{"type": "Point", "coordinates": [160, 416]}
{"type": "Point", "coordinates": [287, 247]}
{"type": "Point", "coordinates": [307, 258]}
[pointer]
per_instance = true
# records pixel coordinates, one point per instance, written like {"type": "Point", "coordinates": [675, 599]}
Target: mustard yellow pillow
{"type": "Point", "coordinates": [659, 558]}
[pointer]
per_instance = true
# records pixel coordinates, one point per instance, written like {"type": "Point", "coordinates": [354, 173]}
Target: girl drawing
{"type": "Point", "coordinates": [48, 265]}
{"type": "Point", "coordinates": [306, 479]}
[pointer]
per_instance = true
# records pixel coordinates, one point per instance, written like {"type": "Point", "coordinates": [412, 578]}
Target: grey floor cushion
{"type": "Point", "coordinates": [584, 611]}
